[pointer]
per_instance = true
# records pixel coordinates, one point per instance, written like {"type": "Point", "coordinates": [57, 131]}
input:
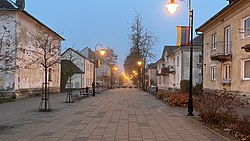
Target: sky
{"type": "Point", "coordinates": [86, 23]}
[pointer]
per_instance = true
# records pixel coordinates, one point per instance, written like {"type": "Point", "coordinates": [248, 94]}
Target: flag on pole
{"type": "Point", "coordinates": [183, 33]}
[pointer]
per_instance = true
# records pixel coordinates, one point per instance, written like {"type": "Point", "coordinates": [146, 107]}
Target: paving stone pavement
{"type": "Point", "coordinates": [114, 115]}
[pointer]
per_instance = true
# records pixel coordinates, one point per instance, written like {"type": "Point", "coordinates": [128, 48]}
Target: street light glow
{"type": "Point", "coordinates": [102, 52]}
{"type": "Point", "coordinates": [172, 7]}
{"type": "Point", "coordinates": [139, 63]}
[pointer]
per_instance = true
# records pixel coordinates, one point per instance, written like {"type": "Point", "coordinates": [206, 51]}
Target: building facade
{"type": "Point", "coordinates": [103, 73]}
{"type": "Point", "coordinates": [82, 69]}
{"type": "Point", "coordinates": [226, 49]}
{"type": "Point", "coordinates": [21, 66]}
{"type": "Point", "coordinates": [174, 66]}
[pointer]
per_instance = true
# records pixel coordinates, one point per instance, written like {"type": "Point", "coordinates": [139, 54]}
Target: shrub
{"type": "Point", "coordinates": [198, 89]}
{"type": "Point", "coordinates": [184, 84]}
{"type": "Point", "coordinates": [177, 99]}
{"type": "Point", "coordinates": [215, 108]}
{"type": "Point", "coordinates": [160, 96]}
{"type": "Point", "coordinates": [241, 129]}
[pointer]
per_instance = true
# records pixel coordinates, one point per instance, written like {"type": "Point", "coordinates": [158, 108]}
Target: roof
{"type": "Point", "coordinates": [8, 5]}
{"type": "Point", "coordinates": [67, 64]}
{"type": "Point", "coordinates": [77, 53]}
{"type": "Point", "coordinates": [197, 41]}
{"type": "Point", "coordinates": [152, 66]}
{"type": "Point", "coordinates": [231, 4]}
{"type": "Point", "coordinates": [169, 49]}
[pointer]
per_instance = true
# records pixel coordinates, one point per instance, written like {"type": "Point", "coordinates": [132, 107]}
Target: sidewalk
{"type": "Point", "coordinates": [117, 114]}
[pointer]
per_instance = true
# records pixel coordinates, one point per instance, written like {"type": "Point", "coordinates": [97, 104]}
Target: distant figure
{"type": "Point", "coordinates": [156, 89]}
{"type": "Point", "coordinates": [93, 88]}
{"type": "Point", "coordinates": [87, 91]}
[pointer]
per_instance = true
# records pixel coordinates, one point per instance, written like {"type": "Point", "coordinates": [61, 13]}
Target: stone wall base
{"type": "Point", "coordinates": [24, 93]}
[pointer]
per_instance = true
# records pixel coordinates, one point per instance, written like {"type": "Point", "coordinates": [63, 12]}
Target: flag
{"type": "Point", "coordinates": [97, 63]}
{"type": "Point", "coordinates": [183, 33]}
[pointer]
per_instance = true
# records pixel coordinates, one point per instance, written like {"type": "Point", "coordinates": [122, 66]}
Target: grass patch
{"type": "Point", "coordinates": [6, 100]}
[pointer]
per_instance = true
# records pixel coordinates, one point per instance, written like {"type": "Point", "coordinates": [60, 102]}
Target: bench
{"type": "Point", "coordinates": [84, 92]}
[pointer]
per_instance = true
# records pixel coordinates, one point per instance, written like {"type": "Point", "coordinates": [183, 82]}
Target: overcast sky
{"type": "Point", "coordinates": [85, 23]}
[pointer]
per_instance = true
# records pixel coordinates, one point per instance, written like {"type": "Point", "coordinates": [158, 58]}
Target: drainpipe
{"type": "Point", "coordinates": [202, 39]}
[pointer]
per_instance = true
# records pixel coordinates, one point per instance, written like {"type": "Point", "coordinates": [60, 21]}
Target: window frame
{"type": "Point", "coordinates": [244, 28]}
{"type": "Point", "coordinates": [214, 41]}
{"type": "Point", "coordinates": [227, 39]}
{"type": "Point", "coordinates": [177, 61]}
{"type": "Point", "coordinates": [226, 70]}
{"type": "Point", "coordinates": [243, 69]}
{"type": "Point", "coordinates": [213, 73]}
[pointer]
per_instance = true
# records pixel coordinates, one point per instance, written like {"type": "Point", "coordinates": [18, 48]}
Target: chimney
{"type": "Point", "coordinates": [20, 4]}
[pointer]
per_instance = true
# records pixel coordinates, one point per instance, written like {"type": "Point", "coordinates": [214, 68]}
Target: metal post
{"type": "Point", "coordinates": [190, 99]}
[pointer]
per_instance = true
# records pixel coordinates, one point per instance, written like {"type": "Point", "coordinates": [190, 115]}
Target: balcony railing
{"type": "Point", "coordinates": [221, 51]}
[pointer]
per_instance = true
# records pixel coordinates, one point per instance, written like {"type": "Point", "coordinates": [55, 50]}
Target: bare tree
{"type": "Point", "coordinates": [142, 44]}
{"type": "Point", "coordinates": [44, 54]}
{"type": "Point", "coordinates": [110, 56]}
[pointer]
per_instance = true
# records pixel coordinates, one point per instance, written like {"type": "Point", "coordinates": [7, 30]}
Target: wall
{"type": "Point", "coordinates": [7, 78]}
{"type": "Point", "coordinates": [232, 18]}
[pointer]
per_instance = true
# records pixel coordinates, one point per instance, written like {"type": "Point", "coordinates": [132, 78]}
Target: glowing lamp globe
{"type": "Point", "coordinates": [172, 7]}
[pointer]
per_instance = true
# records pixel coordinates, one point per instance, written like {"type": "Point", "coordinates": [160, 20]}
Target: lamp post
{"type": "Point", "coordinates": [139, 72]}
{"type": "Point", "coordinates": [115, 69]}
{"type": "Point", "coordinates": [102, 52]}
{"type": "Point", "coordinates": [172, 7]}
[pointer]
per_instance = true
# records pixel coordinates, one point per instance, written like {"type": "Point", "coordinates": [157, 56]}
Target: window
{"type": "Point", "coordinates": [213, 73]}
{"type": "Point", "coordinates": [226, 72]}
{"type": "Point", "coordinates": [227, 40]}
{"type": "Point", "coordinates": [178, 61]}
{"type": "Point", "coordinates": [246, 27]}
{"type": "Point", "coordinates": [246, 69]}
{"type": "Point", "coordinates": [214, 41]}
{"type": "Point", "coordinates": [200, 59]}
{"type": "Point", "coordinates": [50, 74]}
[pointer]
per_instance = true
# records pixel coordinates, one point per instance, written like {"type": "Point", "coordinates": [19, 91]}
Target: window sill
{"type": "Point", "coordinates": [226, 82]}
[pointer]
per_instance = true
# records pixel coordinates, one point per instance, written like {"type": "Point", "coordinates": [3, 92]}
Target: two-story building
{"type": "Point", "coordinates": [20, 45]}
{"type": "Point", "coordinates": [175, 63]}
{"type": "Point", "coordinates": [226, 49]}
{"type": "Point", "coordinates": [77, 69]}
{"type": "Point", "coordinates": [103, 74]}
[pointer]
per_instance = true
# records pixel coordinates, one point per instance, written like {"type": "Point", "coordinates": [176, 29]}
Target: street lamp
{"type": "Point", "coordinates": [172, 7]}
{"type": "Point", "coordinates": [115, 69]}
{"type": "Point", "coordinates": [139, 72]}
{"type": "Point", "coordinates": [102, 52]}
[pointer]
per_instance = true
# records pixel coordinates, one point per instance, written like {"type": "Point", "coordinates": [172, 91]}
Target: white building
{"type": "Point", "coordinates": [175, 63]}
{"type": "Point", "coordinates": [103, 74]}
{"type": "Point", "coordinates": [81, 67]}
{"type": "Point", "coordinates": [18, 33]}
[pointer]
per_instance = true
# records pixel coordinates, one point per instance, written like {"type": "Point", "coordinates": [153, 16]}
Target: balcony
{"type": "Point", "coordinates": [168, 70]}
{"type": "Point", "coordinates": [221, 51]}
{"type": "Point", "coordinates": [246, 48]}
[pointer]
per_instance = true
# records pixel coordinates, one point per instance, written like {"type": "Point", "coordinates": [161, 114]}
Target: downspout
{"type": "Point", "coordinates": [202, 39]}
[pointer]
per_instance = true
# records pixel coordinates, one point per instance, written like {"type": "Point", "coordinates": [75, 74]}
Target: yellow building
{"type": "Point", "coordinates": [226, 46]}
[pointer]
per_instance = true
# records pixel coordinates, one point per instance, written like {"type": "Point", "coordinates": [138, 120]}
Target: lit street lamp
{"type": "Point", "coordinates": [115, 69]}
{"type": "Point", "coordinates": [102, 52]}
{"type": "Point", "coordinates": [139, 72]}
{"type": "Point", "coordinates": [172, 7]}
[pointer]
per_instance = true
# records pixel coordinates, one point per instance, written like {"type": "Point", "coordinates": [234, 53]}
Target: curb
{"type": "Point", "coordinates": [209, 129]}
